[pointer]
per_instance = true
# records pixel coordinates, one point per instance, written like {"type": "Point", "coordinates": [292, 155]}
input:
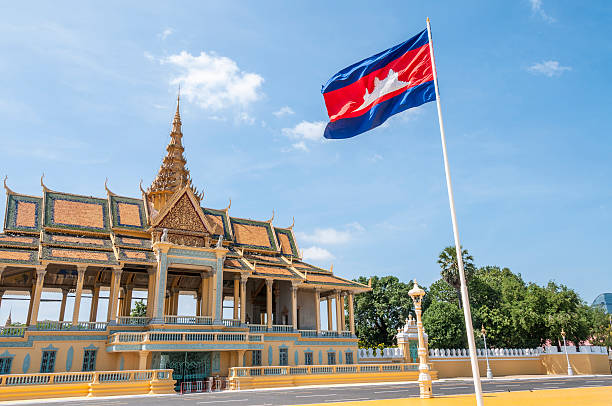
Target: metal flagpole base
{"type": "Point", "coordinates": [570, 371]}
{"type": "Point", "coordinates": [489, 373]}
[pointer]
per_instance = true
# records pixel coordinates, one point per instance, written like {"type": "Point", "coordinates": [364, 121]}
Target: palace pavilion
{"type": "Point", "coordinates": [163, 245]}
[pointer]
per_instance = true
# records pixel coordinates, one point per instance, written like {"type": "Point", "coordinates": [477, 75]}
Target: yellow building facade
{"type": "Point", "coordinates": [165, 244]}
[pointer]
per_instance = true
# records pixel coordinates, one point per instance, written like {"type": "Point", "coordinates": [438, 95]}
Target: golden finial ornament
{"type": "Point", "coordinates": [8, 190]}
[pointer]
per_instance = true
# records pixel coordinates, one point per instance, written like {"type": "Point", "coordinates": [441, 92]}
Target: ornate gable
{"type": "Point", "coordinates": [184, 220]}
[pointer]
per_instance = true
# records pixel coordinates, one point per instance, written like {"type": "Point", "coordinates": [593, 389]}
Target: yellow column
{"type": "Point", "coordinates": [351, 305]}
{"type": "Point", "coordinates": [40, 278]}
{"type": "Point", "coordinates": [175, 302]}
{"type": "Point", "coordinates": [338, 312]}
{"type": "Point", "coordinates": [330, 324]}
{"type": "Point", "coordinates": [269, 283]}
{"type": "Point", "coordinates": [206, 296]}
{"type": "Point", "coordinates": [78, 293]}
{"type": "Point", "coordinates": [142, 360]}
{"type": "Point", "coordinates": [236, 297]}
{"type": "Point", "coordinates": [318, 309]}
{"type": "Point", "coordinates": [212, 295]}
{"type": "Point", "coordinates": [243, 286]}
{"type": "Point", "coordinates": [294, 316]}
{"type": "Point", "coordinates": [30, 303]}
{"type": "Point", "coordinates": [113, 296]}
{"type": "Point", "coordinates": [241, 362]}
{"type": "Point", "coordinates": [127, 302]}
{"type": "Point", "coordinates": [63, 305]}
{"type": "Point", "coordinates": [121, 300]}
{"type": "Point", "coordinates": [95, 295]}
{"type": "Point", "coordinates": [151, 291]}
{"type": "Point", "coordinates": [342, 312]}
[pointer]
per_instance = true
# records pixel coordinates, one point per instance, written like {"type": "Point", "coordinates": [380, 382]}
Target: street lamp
{"type": "Point", "coordinates": [416, 293]}
{"type": "Point", "coordinates": [484, 337]}
{"type": "Point", "coordinates": [570, 372]}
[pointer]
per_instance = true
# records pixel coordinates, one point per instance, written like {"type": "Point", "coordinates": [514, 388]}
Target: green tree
{"type": "Point", "coordinates": [444, 325]}
{"type": "Point", "coordinates": [380, 312]}
{"type": "Point", "coordinates": [450, 268]}
{"type": "Point", "coordinates": [139, 310]}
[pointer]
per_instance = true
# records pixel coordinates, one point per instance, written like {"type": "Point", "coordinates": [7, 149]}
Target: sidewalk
{"type": "Point", "coordinates": [601, 396]}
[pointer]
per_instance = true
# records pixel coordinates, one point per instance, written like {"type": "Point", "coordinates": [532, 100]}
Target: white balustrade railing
{"type": "Point", "coordinates": [197, 320]}
{"type": "Point", "coordinates": [133, 321]}
{"type": "Point", "coordinates": [49, 325]}
{"type": "Point", "coordinates": [258, 327]}
{"type": "Point", "coordinates": [238, 372]}
{"type": "Point", "coordinates": [515, 352]}
{"type": "Point", "coordinates": [81, 377]}
{"type": "Point", "coordinates": [231, 322]}
{"type": "Point", "coordinates": [158, 336]}
{"type": "Point", "coordinates": [386, 353]}
{"type": "Point", "coordinates": [281, 328]}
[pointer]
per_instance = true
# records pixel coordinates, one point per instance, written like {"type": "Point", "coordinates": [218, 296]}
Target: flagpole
{"type": "Point", "coordinates": [464, 292]}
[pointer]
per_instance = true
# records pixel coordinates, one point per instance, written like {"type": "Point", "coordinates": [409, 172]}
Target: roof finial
{"type": "Point", "coordinates": [8, 190]}
{"type": "Point", "coordinates": [107, 189]}
{"type": "Point", "coordinates": [178, 99]}
{"type": "Point", "coordinates": [229, 205]}
{"type": "Point", "coordinates": [292, 224]}
{"type": "Point", "coordinates": [42, 184]}
{"type": "Point", "coordinates": [272, 218]}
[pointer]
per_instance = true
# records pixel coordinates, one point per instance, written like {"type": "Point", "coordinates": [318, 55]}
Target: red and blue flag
{"type": "Point", "coordinates": [367, 93]}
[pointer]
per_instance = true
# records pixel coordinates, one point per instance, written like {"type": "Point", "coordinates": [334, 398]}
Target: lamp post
{"type": "Point", "coordinates": [570, 372]}
{"type": "Point", "coordinates": [484, 337]}
{"type": "Point", "coordinates": [416, 293]}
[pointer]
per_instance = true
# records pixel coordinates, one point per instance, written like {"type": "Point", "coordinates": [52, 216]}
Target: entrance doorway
{"type": "Point", "coordinates": [186, 366]}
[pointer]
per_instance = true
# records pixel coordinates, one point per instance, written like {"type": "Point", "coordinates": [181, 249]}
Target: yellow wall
{"type": "Point", "coordinates": [550, 364]}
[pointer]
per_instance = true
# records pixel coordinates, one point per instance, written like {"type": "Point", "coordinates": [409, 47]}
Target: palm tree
{"type": "Point", "coordinates": [450, 268]}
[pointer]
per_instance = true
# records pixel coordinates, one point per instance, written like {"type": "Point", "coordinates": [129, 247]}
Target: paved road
{"type": "Point", "coordinates": [345, 393]}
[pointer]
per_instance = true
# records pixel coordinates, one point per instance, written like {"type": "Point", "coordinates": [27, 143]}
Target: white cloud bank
{"type": "Point", "coordinates": [214, 82]}
{"type": "Point", "coordinates": [548, 68]}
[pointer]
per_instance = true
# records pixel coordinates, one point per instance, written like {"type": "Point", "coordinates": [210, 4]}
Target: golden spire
{"type": "Point", "coordinates": [173, 173]}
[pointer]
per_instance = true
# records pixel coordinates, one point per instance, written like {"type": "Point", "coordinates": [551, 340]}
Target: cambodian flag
{"type": "Point", "coordinates": [364, 95]}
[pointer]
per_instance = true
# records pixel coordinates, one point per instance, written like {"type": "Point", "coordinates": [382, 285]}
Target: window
{"type": "Point", "coordinates": [349, 357]}
{"type": "Point", "coordinates": [331, 358]}
{"type": "Point", "coordinates": [283, 357]}
{"type": "Point", "coordinates": [308, 358]}
{"type": "Point", "coordinates": [47, 364]}
{"type": "Point", "coordinates": [89, 360]}
{"type": "Point", "coordinates": [5, 365]}
{"type": "Point", "coordinates": [256, 358]}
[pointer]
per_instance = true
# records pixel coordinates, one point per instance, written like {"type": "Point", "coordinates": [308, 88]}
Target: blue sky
{"type": "Point", "coordinates": [89, 93]}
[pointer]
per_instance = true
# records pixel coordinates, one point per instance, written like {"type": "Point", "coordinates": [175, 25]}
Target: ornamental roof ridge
{"type": "Point", "coordinates": [173, 172]}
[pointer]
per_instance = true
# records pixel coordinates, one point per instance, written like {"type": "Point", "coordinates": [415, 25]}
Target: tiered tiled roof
{"type": "Point", "coordinates": [66, 228]}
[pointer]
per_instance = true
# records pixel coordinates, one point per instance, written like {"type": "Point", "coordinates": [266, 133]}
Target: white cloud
{"type": "Point", "coordinates": [375, 158]}
{"type": "Point", "coordinates": [305, 131]}
{"type": "Point", "coordinates": [166, 33]}
{"type": "Point", "coordinates": [536, 8]}
{"type": "Point", "coordinates": [284, 111]}
{"type": "Point", "coordinates": [300, 145]}
{"type": "Point", "coordinates": [332, 236]}
{"type": "Point", "coordinates": [245, 118]}
{"type": "Point", "coordinates": [317, 254]}
{"type": "Point", "coordinates": [548, 68]}
{"type": "Point", "coordinates": [214, 82]}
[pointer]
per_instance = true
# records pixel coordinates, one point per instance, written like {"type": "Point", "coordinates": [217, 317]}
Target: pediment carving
{"type": "Point", "coordinates": [183, 216]}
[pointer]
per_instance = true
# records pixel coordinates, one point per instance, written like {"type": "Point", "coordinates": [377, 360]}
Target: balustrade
{"type": "Point", "coordinates": [196, 320]}
{"type": "Point", "coordinates": [12, 331]}
{"type": "Point", "coordinates": [68, 325]}
{"type": "Point", "coordinates": [321, 369]}
{"type": "Point", "coordinates": [152, 336]}
{"type": "Point", "coordinates": [133, 321]}
{"type": "Point", "coordinates": [82, 377]}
